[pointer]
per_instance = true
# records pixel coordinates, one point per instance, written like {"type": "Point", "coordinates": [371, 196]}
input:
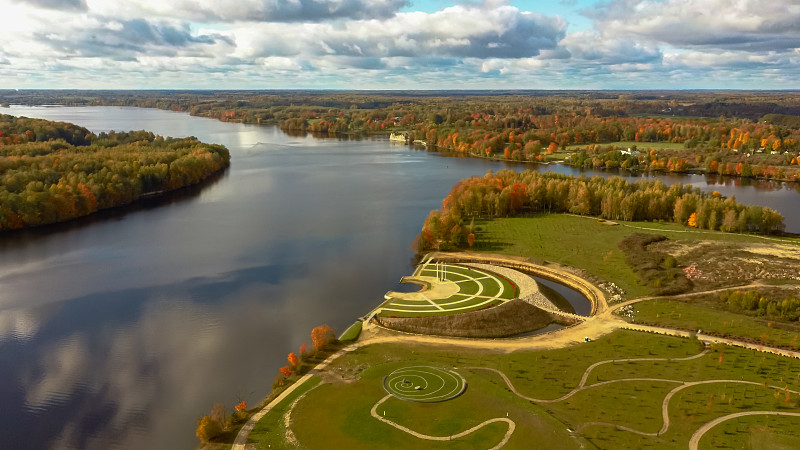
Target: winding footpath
{"type": "Point", "coordinates": [582, 385]}
{"type": "Point", "coordinates": [694, 442]}
{"type": "Point", "coordinates": [511, 427]}
{"type": "Point", "coordinates": [601, 322]}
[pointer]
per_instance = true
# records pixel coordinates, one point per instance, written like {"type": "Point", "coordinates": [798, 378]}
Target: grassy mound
{"type": "Point", "coordinates": [352, 333]}
{"type": "Point", "coordinates": [656, 269]}
{"type": "Point", "coordinates": [508, 319]}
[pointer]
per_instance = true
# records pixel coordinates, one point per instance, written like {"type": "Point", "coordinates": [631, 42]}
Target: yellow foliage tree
{"type": "Point", "coordinates": [208, 428]}
{"type": "Point", "coordinates": [693, 220]}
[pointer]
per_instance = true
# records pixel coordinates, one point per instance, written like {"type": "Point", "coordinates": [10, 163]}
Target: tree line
{"type": "Point", "coordinates": [747, 134]}
{"type": "Point", "coordinates": [787, 308]}
{"type": "Point", "coordinates": [55, 171]}
{"type": "Point", "coordinates": [507, 193]}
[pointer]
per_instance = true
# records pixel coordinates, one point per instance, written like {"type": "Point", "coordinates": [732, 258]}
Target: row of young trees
{"type": "Point", "coordinates": [787, 308]}
{"type": "Point", "coordinates": [507, 193]}
{"type": "Point", "coordinates": [46, 180]}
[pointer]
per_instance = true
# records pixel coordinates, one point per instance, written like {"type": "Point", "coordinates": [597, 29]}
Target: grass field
{"type": "Point", "coordinates": [270, 431]}
{"type": "Point", "coordinates": [641, 146]}
{"type": "Point", "coordinates": [620, 393]}
{"type": "Point", "coordinates": [714, 320]}
{"type": "Point", "coordinates": [584, 243]}
{"type": "Point", "coordinates": [755, 432]}
{"type": "Point", "coordinates": [471, 289]}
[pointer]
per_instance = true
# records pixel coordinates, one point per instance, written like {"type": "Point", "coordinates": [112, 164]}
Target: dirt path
{"type": "Point", "coordinates": [511, 427]}
{"type": "Point", "coordinates": [602, 322]}
{"type": "Point", "coordinates": [241, 439]}
{"type": "Point", "coordinates": [660, 230]}
{"type": "Point", "coordinates": [582, 385]}
{"type": "Point", "coordinates": [754, 285]}
{"type": "Point", "coordinates": [664, 404]}
{"type": "Point", "coordinates": [694, 442]}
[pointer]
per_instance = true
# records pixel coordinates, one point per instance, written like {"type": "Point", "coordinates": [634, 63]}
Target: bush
{"type": "Point", "coordinates": [321, 336]}
{"type": "Point", "coordinates": [656, 269]}
{"type": "Point", "coordinates": [208, 428]}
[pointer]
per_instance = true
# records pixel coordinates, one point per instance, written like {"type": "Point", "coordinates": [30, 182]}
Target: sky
{"type": "Point", "coordinates": [400, 44]}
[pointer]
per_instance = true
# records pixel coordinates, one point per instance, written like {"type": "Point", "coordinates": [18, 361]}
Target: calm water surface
{"type": "Point", "coordinates": [121, 331]}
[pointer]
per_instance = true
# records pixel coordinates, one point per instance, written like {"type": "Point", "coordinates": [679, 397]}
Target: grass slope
{"type": "Point", "coordinates": [507, 319]}
{"type": "Point", "coordinates": [337, 412]}
{"type": "Point", "coordinates": [713, 320]}
{"type": "Point", "coordinates": [584, 243]}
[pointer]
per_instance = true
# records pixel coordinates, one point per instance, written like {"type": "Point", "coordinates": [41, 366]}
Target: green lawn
{"type": "Point", "coordinates": [584, 243]}
{"type": "Point", "coordinates": [352, 332]}
{"type": "Point", "coordinates": [641, 146]}
{"type": "Point", "coordinates": [336, 414]}
{"type": "Point", "coordinates": [758, 432]}
{"type": "Point", "coordinates": [485, 288]}
{"type": "Point", "coordinates": [269, 432]}
{"type": "Point", "coordinates": [715, 320]}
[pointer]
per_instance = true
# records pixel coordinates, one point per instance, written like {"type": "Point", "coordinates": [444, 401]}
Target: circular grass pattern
{"type": "Point", "coordinates": [425, 384]}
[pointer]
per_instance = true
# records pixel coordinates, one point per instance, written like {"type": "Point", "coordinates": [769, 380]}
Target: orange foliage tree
{"type": "Point", "coordinates": [293, 359]}
{"type": "Point", "coordinates": [471, 239]}
{"type": "Point", "coordinates": [552, 148]}
{"type": "Point", "coordinates": [693, 220]}
{"type": "Point", "coordinates": [242, 406]}
{"type": "Point", "coordinates": [286, 371]}
{"type": "Point", "coordinates": [322, 336]}
{"type": "Point", "coordinates": [303, 350]}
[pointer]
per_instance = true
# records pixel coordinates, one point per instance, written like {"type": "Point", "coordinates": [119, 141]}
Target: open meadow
{"type": "Point", "coordinates": [624, 390]}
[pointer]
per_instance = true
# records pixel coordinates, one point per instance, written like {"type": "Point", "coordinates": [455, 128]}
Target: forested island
{"type": "Point", "coordinates": [745, 134]}
{"type": "Point", "coordinates": [55, 171]}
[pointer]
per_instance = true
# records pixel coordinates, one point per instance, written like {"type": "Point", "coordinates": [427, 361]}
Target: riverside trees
{"type": "Point", "coordinates": [507, 193]}
{"type": "Point", "coordinates": [54, 171]}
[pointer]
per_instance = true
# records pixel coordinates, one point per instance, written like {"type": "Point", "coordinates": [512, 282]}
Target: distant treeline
{"type": "Point", "coordinates": [55, 171]}
{"type": "Point", "coordinates": [748, 134]}
{"type": "Point", "coordinates": [507, 193]}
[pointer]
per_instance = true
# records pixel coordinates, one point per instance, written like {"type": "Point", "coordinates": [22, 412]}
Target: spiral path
{"type": "Point", "coordinates": [426, 384]}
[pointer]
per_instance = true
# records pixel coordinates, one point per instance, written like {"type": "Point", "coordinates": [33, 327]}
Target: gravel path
{"type": "Point", "coordinates": [511, 427]}
{"type": "Point", "coordinates": [601, 323]}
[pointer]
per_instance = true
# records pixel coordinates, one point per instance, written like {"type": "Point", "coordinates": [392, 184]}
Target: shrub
{"type": "Point", "coordinates": [208, 428]}
{"type": "Point", "coordinates": [322, 336]}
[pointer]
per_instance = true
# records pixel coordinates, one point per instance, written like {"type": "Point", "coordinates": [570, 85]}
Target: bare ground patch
{"type": "Point", "coordinates": [718, 263]}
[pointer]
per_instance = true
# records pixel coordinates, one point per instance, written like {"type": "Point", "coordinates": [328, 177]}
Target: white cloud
{"type": "Point", "coordinates": [356, 43]}
{"type": "Point", "coordinates": [249, 10]}
{"type": "Point", "coordinates": [748, 25]}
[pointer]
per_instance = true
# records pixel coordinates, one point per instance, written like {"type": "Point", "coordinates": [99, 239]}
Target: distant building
{"type": "Point", "coordinates": [399, 137]}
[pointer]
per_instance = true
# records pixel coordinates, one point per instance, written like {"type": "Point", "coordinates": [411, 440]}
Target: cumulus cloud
{"type": "Point", "coordinates": [124, 39]}
{"type": "Point", "coordinates": [252, 10]}
{"type": "Point", "coordinates": [599, 49]}
{"type": "Point", "coordinates": [746, 25]}
{"type": "Point", "coordinates": [377, 43]}
{"type": "Point", "coordinates": [73, 5]}
{"type": "Point", "coordinates": [475, 31]}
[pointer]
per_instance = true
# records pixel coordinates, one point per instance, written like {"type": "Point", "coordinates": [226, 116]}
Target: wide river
{"type": "Point", "coordinates": [121, 331]}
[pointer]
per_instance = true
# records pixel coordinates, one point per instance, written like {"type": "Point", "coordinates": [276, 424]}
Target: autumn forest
{"type": "Point", "coordinates": [54, 171]}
